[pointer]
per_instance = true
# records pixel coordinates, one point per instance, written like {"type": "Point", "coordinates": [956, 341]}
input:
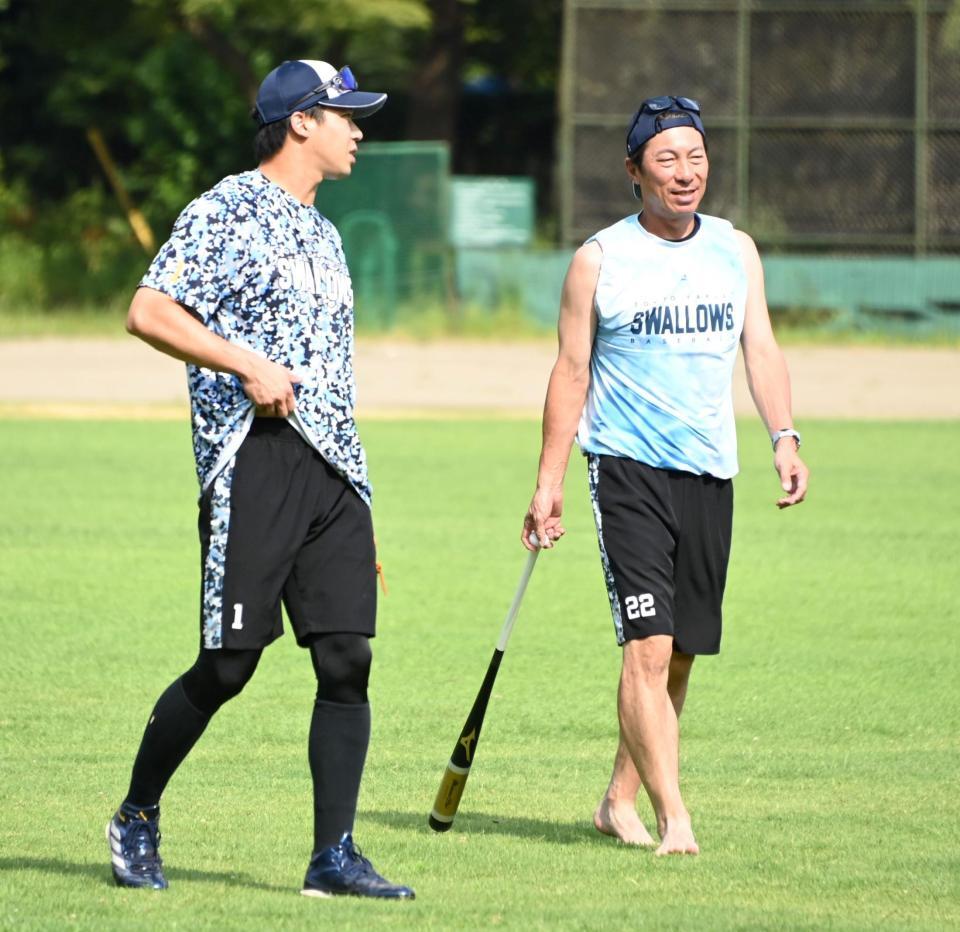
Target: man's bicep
{"type": "Point", "coordinates": [756, 323]}
{"type": "Point", "coordinates": [159, 302]}
{"type": "Point", "coordinates": [578, 319]}
{"type": "Point", "coordinates": [153, 311]}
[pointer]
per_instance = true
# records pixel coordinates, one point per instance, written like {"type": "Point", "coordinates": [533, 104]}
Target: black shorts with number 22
{"type": "Point", "coordinates": [665, 544]}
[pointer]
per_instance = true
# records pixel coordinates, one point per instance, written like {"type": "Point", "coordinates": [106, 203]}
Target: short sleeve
{"type": "Point", "coordinates": [201, 264]}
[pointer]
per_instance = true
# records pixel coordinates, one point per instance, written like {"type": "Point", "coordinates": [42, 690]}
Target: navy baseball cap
{"type": "Point", "coordinates": [299, 85]}
{"type": "Point", "coordinates": [657, 114]}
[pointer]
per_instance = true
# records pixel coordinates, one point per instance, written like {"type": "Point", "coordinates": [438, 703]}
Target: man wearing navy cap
{"type": "Point", "coordinates": [252, 291]}
{"type": "Point", "coordinates": [652, 312]}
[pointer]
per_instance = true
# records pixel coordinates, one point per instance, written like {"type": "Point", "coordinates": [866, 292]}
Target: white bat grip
{"type": "Point", "coordinates": [517, 599]}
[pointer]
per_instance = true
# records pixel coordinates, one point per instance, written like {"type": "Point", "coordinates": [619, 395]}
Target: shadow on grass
{"type": "Point", "coordinates": [100, 872]}
{"type": "Point", "coordinates": [485, 823]}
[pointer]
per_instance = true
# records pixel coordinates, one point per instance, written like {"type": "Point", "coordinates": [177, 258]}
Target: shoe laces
{"type": "Point", "coordinates": [358, 865]}
{"type": "Point", "coordinates": [141, 843]}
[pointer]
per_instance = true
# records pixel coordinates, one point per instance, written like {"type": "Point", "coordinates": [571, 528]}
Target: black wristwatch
{"type": "Point", "coordinates": [784, 432]}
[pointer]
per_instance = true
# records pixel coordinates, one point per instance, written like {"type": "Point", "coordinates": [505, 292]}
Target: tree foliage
{"type": "Point", "coordinates": [169, 84]}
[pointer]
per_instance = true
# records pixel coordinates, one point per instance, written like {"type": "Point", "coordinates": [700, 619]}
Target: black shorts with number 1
{"type": "Point", "coordinates": [665, 544]}
{"type": "Point", "coordinates": [291, 529]}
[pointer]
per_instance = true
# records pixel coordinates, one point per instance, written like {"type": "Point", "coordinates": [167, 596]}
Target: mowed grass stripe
{"type": "Point", "coordinates": [820, 749]}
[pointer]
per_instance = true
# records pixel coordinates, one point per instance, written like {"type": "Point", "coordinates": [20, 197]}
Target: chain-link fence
{"type": "Point", "coordinates": [831, 123]}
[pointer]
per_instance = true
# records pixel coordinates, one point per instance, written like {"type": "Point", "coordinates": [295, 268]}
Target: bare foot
{"type": "Point", "coordinates": [621, 821]}
{"type": "Point", "coordinates": [677, 838]}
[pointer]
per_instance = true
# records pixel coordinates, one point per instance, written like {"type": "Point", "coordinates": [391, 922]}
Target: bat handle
{"type": "Point", "coordinates": [517, 599]}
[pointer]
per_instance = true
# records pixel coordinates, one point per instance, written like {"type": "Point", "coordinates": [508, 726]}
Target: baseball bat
{"type": "Point", "coordinates": [464, 751]}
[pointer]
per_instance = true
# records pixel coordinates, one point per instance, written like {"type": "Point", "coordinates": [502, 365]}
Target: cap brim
{"type": "Point", "coordinates": [362, 103]}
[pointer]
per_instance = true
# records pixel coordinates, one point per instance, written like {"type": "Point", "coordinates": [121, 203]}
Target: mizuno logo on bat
{"type": "Point", "coordinates": [468, 741]}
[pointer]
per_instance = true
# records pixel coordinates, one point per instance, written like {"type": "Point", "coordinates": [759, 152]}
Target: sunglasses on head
{"type": "Point", "coordinates": [343, 80]}
{"type": "Point", "coordinates": [659, 104]}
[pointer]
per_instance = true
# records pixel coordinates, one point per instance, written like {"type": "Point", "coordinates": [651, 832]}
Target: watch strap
{"type": "Point", "coordinates": [784, 432]}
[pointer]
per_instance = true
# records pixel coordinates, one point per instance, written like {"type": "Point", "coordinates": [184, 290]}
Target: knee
{"type": "Point", "coordinates": [342, 664]}
{"type": "Point", "coordinates": [229, 682]}
{"type": "Point", "coordinates": [218, 676]}
{"type": "Point", "coordinates": [647, 661]}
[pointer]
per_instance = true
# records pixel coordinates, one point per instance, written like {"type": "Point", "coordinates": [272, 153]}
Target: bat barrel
{"type": "Point", "coordinates": [458, 768]}
{"type": "Point", "coordinates": [448, 797]}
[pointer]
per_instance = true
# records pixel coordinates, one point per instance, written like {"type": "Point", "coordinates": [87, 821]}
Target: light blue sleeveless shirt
{"type": "Point", "coordinates": [669, 318]}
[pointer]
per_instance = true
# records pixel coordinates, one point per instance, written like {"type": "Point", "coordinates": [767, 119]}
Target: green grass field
{"type": "Point", "coordinates": [820, 749]}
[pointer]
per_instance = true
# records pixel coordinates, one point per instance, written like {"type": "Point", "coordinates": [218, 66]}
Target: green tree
{"type": "Point", "coordinates": [169, 83]}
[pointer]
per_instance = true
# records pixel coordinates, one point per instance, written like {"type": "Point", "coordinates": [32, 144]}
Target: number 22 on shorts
{"type": "Point", "coordinates": [639, 606]}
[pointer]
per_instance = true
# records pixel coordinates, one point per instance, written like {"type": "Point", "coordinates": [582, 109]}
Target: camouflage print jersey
{"type": "Point", "coordinates": [266, 272]}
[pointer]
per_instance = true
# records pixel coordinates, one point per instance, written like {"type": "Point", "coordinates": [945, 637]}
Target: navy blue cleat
{"type": "Point", "coordinates": [341, 870]}
{"type": "Point", "coordinates": [134, 840]}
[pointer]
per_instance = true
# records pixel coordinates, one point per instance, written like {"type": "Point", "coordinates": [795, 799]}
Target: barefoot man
{"type": "Point", "coordinates": [652, 311]}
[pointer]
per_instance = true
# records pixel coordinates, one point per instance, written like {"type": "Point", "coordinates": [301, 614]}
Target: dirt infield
{"type": "Point", "coordinates": [124, 377]}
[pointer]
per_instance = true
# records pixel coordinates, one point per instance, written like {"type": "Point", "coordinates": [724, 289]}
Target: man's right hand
{"type": "Point", "coordinates": [543, 518]}
{"type": "Point", "coordinates": [269, 386]}
{"type": "Point", "coordinates": [177, 331]}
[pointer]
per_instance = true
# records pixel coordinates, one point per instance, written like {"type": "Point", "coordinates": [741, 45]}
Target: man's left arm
{"type": "Point", "coordinates": [768, 378]}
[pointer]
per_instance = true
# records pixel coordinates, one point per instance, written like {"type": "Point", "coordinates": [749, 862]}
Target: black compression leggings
{"type": "Point", "coordinates": [342, 665]}
{"type": "Point", "coordinates": [217, 676]}
{"type": "Point", "coordinates": [340, 661]}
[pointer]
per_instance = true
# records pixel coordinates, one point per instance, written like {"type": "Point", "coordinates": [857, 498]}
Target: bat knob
{"type": "Point", "coordinates": [439, 826]}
